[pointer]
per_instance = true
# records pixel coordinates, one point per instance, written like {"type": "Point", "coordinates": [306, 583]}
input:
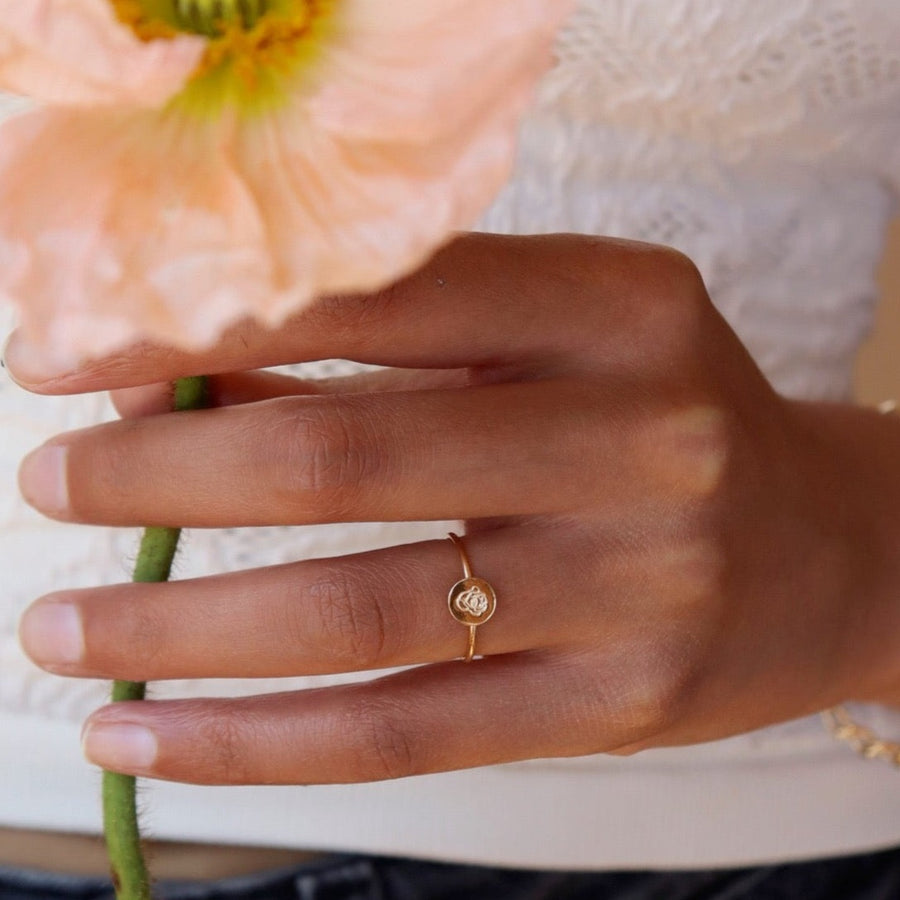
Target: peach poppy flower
{"type": "Point", "coordinates": [193, 162]}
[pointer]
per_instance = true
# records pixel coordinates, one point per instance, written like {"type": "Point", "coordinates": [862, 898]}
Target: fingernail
{"type": "Point", "coordinates": [51, 633]}
{"type": "Point", "coordinates": [27, 365]}
{"type": "Point", "coordinates": [119, 747]}
{"type": "Point", "coordinates": [42, 479]}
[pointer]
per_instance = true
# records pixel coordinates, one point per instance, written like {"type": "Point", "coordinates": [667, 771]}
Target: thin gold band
{"type": "Point", "coordinates": [463, 556]}
{"type": "Point", "coordinates": [471, 600]}
{"type": "Point", "coordinates": [470, 646]}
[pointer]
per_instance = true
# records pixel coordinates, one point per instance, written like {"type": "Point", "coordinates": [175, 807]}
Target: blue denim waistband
{"type": "Point", "coordinates": [873, 876]}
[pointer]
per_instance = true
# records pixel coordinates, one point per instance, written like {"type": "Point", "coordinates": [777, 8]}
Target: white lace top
{"type": "Point", "coordinates": [762, 137]}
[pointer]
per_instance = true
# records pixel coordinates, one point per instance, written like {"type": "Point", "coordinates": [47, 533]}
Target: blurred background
{"type": "Point", "coordinates": [878, 369]}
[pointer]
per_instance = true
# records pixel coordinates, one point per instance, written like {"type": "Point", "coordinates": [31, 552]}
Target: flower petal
{"type": "Point", "coordinates": [410, 133]}
{"type": "Point", "coordinates": [418, 71]}
{"type": "Point", "coordinates": [145, 232]}
{"type": "Point", "coordinates": [118, 225]}
{"type": "Point", "coordinates": [76, 52]}
{"type": "Point", "coordinates": [348, 215]}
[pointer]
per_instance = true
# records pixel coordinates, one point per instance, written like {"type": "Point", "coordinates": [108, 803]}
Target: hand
{"type": "Point", "coordinates": [679, 553]}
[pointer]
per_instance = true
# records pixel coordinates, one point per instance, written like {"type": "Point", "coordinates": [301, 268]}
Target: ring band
{"type": "Point", "coordinates": [472, 600]}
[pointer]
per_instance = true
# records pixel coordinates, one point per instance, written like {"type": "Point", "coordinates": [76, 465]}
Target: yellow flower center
{"type": "Point", "coordinates": [211, 17]}
{"type": "Point", "coordinates": [255, 49]}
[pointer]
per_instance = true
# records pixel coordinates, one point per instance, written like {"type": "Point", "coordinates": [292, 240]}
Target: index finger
{"type": "Point", "coordinates": [482, 300]}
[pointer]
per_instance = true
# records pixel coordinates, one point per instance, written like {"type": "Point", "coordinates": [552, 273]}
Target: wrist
{"type": "Point", "coordinates": [852, 455]}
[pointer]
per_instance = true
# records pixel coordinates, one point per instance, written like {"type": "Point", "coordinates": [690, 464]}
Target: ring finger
{"type": "Point", "coordinates": [366, 611]}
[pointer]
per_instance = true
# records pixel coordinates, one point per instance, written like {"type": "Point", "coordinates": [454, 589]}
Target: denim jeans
{"type": "Point", "coordinates": [874, 876]}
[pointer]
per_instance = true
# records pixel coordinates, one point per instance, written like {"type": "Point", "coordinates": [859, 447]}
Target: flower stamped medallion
{"type": "Point", "coordinates": [472, 601]}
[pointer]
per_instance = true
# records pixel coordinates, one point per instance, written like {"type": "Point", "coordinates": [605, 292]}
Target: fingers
{"type": "Point", "coordinates": [484, 300]}
{"type": "Point", "coordinates": [430, 719]}
{"type": "Point", "coordinates": [355, 613]}
{"type": "Point", "coordinates": [558, 586]}
{"type": "Point", "coordinates": [234, 389]}
{"type": "Point", "coordinates": [572, 662]}
{"type": "Point", "coordinates": [452, 454]}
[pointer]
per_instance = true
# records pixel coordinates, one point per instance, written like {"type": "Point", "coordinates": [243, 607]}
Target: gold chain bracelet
{"type": "Point", "coordinates": [863, 740]}
{"type": "Point", "coordinates": [839, 721]}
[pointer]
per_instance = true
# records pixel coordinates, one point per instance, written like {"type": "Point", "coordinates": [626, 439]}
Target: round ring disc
{"type": "Point", "coordinates": [472, 601]}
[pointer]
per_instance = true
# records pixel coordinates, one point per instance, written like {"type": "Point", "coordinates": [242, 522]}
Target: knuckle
{"type": "Point", "coordinates": [672, 683]}
{"type": "Point", "coordinates": [637, 694]}
{"type": "Point", "coordinates": [654, 293]}
{"type": "Point", "coordinates": [689, 450]}
{"type": "Point", "coordinates": [348, 623]}
{"type": "Point", "coordinates": [649, 687]}
{"type": "Point", "coordinates": [674, 303]}
{"type": "Point", "coordinates": [681, 272]}
{"type": "Point", "coordinates": [387, 748]}
{"type": "Point", "coordinates": [659, 693]}
{"type": "Point", "coordinates": [222, 746]}
{"type": "Point", "coordinates": [693, 572]}
{"type": "Point", "coordinates": [324, 455]}
{"type": "Point", "coordinates": [354, 317]}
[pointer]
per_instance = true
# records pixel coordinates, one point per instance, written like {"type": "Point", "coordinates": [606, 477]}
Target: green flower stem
{"type": "Point", "coordinates": [120, 818]}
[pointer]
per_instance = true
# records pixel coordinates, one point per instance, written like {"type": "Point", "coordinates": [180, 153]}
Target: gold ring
{"type": "Point", "coordinates": [472, 600]}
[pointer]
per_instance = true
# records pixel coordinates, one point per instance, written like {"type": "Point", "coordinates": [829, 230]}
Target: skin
{"type": "Point", "coordinates": [680, 554]}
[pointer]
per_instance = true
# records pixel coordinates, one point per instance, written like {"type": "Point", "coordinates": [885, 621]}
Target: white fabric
{"type": "Point", "coordinates": [759, 136]}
